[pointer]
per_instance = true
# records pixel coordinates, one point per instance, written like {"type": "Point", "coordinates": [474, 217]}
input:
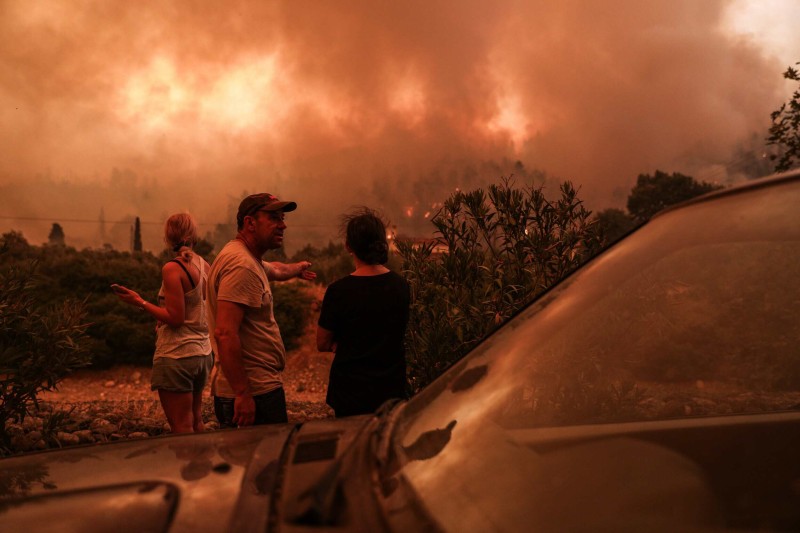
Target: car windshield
{"type": "Point", "coordinates": [693, 315]}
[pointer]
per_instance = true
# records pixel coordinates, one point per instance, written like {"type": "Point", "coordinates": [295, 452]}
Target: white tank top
{"type": "Point", "coordinates": [191, 337]}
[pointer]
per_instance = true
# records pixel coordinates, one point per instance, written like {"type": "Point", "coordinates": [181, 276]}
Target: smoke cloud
{"type": "Point", "coordinates": [148, 108]}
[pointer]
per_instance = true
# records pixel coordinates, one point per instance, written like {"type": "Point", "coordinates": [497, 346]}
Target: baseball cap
{"type": "Point", "coordinates": [262, 201]}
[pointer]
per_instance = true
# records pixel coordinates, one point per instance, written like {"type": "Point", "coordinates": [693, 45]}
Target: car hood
{"type": "Point", "coordinates": [227, 480]}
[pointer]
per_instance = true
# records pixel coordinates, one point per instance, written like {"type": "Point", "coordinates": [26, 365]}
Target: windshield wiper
{"type": "Point", "coordinates": [380, 444]}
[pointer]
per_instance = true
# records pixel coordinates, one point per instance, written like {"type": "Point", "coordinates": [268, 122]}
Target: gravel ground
{"type": "Point", "coordinates": [117, 404]}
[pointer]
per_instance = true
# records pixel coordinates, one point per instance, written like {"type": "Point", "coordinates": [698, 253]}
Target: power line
{"type": "Point", "coordinates": [95, 221]}
{"type": "Point", "coordinates": [145, 222]}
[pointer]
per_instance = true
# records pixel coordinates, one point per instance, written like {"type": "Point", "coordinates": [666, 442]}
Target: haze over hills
{"type": "Point", "coordinates": [148, 109]}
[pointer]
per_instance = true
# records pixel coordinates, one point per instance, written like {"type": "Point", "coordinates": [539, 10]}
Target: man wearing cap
{"type": "Point", "coordinates": [246, 384]}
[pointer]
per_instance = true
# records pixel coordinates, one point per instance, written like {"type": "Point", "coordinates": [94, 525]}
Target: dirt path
{"type": "Point", "coordinates": [115, 404]}
{"type": "Point", "coordinates": [305, 382]}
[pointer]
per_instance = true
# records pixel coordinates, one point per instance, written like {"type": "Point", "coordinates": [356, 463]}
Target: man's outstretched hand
{"type": "Point", "coordinates": [304, 272]}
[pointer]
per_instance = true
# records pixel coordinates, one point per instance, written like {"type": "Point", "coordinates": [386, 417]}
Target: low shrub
{"type": "Point", "coordinates": [330, 262]}
{"type": "Point", "coordinates": [39, 345]}
{"type": "Point", "coordinates": [292, 307]}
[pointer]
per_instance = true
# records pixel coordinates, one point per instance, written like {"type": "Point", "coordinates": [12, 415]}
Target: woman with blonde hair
{"type": "Point", "coordinates": [182, 359]}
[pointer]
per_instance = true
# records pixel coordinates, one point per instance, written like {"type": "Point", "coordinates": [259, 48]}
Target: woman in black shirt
{"type": "Point", "coordinates": [363, 321]}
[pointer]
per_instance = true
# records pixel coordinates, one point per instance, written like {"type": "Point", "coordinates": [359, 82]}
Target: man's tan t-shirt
{"type": "Point", "coordinates": [236, 276]}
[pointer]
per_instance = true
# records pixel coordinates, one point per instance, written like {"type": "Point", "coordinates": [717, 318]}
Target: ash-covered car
{"type": "Point", "coordinates": [657, 388]}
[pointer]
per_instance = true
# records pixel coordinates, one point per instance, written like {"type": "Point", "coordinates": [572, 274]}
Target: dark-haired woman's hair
{"type": "Point", "coordinates": [365, 234]}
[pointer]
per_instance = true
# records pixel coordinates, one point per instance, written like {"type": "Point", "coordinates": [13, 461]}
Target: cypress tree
{"type": "Point", "coordinates": [56, 237]}
{"type": "Point", "coordinates": [137, 236]}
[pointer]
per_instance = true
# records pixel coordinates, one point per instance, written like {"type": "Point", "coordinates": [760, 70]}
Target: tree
{"type": "Point", "coordinates": [137, 235]}
{"type": "Point", "coordinates": [785, 129]}
{"type": "Point", "coordinates": [494, 251]}
{"type": "Point", "coordinates": [222, 234]}
{"type": "Point", "coordinates": [651, 194]}
{"type": "Point", "coordinates": [613, 224]}
{"type": "Point", "coordinates": [56, 237]}
{"type": "Point", "coordinates": [204, 248]}
{"type": "Point", "coordinates": [13, 245]}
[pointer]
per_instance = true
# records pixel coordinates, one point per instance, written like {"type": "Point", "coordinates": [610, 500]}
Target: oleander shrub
{"type": "Point", "coordinates": [494, 250]}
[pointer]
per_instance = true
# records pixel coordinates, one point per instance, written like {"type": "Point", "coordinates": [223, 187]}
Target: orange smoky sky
{"type": "Point", "coordinates": [148, 108]}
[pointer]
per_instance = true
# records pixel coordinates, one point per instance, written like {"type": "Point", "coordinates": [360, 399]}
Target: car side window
{"type": "Point", "coordinates": [699, 318]}
{"type": "Point", "coordinates": [706, 330]}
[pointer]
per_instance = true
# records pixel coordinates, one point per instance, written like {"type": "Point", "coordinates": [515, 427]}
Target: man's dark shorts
{"type": "Point", "coordinates": [270, 409]}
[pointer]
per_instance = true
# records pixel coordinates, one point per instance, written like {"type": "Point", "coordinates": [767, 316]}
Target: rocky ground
{"type": "Point", "coordinates": [116, 404]}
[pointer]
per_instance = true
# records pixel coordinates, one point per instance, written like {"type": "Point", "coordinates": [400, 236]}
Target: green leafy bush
{"type": "Point", "coordinates": [292, 307]}
{"type": "Point", "coordinates": [494, 251]}
{"type": "Point", "coordinates": [118, 333]}
{"type": "Point", "coordinates": [38, 345]}
{"type": "Point", "coordinates": [330, 262]}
